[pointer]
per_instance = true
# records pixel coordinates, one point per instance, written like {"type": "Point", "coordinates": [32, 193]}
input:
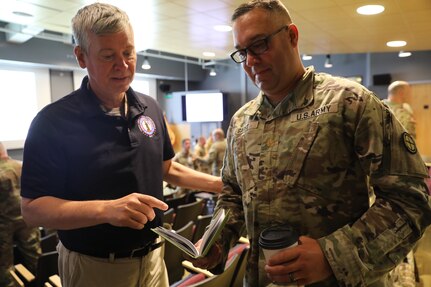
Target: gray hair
{"type": "Point", "coordinates": [272, 6]}
{"type": "Point", "coordinates": [98, 18]}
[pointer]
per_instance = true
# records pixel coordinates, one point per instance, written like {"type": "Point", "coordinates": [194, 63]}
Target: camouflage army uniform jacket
{"type": "Point", "coordinates": [215, 156]}
{"type": "Point", "coordinates": [314, 161]}
{"type": "Point", "coordinates": [200, 152]}
{"type": "Point", "coordinates": [404, 113]}
{"type": "Point", "coordinates": [10, 186]}
{"type": "Point", "coordinates": [184, 159]}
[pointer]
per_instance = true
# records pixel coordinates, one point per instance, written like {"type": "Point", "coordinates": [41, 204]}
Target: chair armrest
{"type": "Point", "coordinates": [47, 284]}
{"type": "Point", "coordinates": [16, 279]}
{"type": "Point", "coordinates": [243, 239]}
{"type": "Point", "coordinates": [189, 267]}
{"type": "Point", "coordinates": [55, 280]}
{"type": "Point", "coordinates": [24, 273]}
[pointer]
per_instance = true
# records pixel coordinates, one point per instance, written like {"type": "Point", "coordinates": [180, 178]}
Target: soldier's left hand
{"type": "Point", "coordinates": [304, 263]}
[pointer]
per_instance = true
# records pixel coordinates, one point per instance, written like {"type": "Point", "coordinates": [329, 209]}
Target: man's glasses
{"type": "Point", "coordinates": [256, 48]}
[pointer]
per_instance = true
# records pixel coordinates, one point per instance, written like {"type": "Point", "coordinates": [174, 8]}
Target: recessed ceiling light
{"type": "Point", "coordinates": [208, 54]}
{"type": "Point", "coordinates": [306, 57]}
{"type": "Point", "coordinates": [396, 43]}
{"type": "Point", "coordinates": [223, 28]}
{"type": "Point", "coordinates": [370, 9]}
{"type": "Point", "coordinates": [403, 54]}
{"type": "Point", "coordinates": [22, 14]}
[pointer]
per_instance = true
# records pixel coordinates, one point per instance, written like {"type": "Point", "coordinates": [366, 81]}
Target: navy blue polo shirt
{"type": "Point", "coordinates": [75, 151]}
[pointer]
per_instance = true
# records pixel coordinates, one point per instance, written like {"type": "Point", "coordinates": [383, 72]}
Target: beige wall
{"type": "Point", "coordinates": [421, 105]}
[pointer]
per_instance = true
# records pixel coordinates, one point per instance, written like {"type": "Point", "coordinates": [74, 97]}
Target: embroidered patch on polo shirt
{"type": "Point", "coordinates": [146, 126]}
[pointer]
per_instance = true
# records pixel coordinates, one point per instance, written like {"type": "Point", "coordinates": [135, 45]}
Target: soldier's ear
{"type": "Point", "coordinates": [293, 34]}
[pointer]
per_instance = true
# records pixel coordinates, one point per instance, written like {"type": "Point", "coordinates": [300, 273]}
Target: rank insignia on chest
{"type": "Point", "coordinates": [409, 143]}
{"type": "Point", "coordinates": [146, 126]}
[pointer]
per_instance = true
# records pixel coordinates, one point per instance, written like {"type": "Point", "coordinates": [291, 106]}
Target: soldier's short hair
{"type": "Point", "coordinates": [98, 18]}
{"type": "Point", "coordinates": [218, 133]}
{"type": "Point", "coordinates": [184, 140]}
{"type": "Point", "coordinates": [397, 86]}
{"type": "Point", "coordinates": [272, 6]}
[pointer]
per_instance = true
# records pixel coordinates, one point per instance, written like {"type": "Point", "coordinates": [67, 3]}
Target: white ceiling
{"type": "Point", "coordinates": [185, 27]}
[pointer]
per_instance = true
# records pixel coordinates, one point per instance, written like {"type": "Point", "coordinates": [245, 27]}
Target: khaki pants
{"type": "Point", "coordinates": [78, 270]}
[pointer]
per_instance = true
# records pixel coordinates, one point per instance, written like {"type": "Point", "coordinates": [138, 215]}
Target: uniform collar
{"type": "Point", "coordinates": [301, 97]}
{"type": "Point", "coordinates": [90, 104]}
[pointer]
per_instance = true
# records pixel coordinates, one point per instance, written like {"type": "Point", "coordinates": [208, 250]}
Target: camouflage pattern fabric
{"type": "Point", "coordinates": [184, 159]}
{"type": "Point", "coordinates": [216, 155]}
{"type": "Point", "coordinates": [200, 152]}
{"type": "Point", "coordinates": [13, 229]}
{"type": "Point", "coordinates": [314, 161]}
{"type": "Point", "coordinates": [404, 113]}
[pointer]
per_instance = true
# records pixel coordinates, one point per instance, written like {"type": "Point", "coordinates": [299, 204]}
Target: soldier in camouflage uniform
{"type": "Point", "coordinates": [309, 151]}
{"type": "Point", "coordinates": [200, 152]}
{"type": "Point", "coordinates": [398, 95]}
{"type": "Point", "coordinates": [12, 226]}
{"type": "Point", "coordinates": [216, 152]}
{"type": "Point", "coordinates": [185, 157]}
{"type": "Point", "coordinates": [398, 92]}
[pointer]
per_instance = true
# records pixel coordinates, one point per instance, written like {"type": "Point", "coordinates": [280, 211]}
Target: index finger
{"type": "Point", "coordinates": [153, 202]}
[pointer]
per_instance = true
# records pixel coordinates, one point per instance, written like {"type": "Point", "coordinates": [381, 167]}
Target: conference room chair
{"type": "Point", "coordinates": [47, 265]}
{"type": "Point", "coordinates": [232, 276]}
{"type": "Point", "coordinates": [202, 222]}
{"type": "Point", "coordinates": [187, 212]}
{"type": "Point", "coordinates": [173, 256]}
{"type": "Point", "coordinates": [48, 243]}
{"type": "Point", "coordinates": [168, 217]}
{"type": "Point", "coordinates": [175, 201]}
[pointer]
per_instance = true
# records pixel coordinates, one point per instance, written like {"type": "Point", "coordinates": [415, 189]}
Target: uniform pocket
{"type": "Point", "coordinates": [302, 149]}
{"type": "Point", "coordinates": [247, 154]}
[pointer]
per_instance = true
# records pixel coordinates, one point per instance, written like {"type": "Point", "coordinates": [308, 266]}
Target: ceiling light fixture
{"type": "Point", "coordinates": [222, 28]}
{"type": "Point", "coordinates": [146, 64]}
{"type": "Point", "coordinates": [328, 62]}
{"type": "Point", "coordinates": [370, 9]}
{"type": "Point", "coordinates": [22, 14]}
{"type": "Point", "coordinates": [403, 54]}
{"type": "Point", "coordinates": [208, 54]}
{"type": "Point", "coordinates": [396, 43]}
{"type": "Point", "coordinates": [213, 72]}
{"type": "Point", "coordinates": [306, 57]}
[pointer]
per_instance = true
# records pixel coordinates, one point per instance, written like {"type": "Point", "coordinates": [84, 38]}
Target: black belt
{"type": "Point", "coordinates": [134, 253]}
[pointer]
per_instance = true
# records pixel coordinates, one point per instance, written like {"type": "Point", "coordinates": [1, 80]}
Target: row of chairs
{"type": "Point", "coordinates": [232, 276]}
{"type": "Point", "coordinates": [180, 216]}
{"type": "Point", "coordinates": [47, 265]}
{"type": "Point", "coordinates": [177, 267]}
{"type": "Point", "coordinates": [188, 216]}
{"type": "Point", "coordinates": [187, 219]}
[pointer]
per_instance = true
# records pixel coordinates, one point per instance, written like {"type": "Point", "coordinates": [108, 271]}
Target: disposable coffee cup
{"type": "Point", "coordinates": [274, 239]}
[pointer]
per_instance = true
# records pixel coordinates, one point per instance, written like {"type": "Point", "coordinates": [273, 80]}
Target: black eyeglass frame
{"type": "Point", "coordinates": [249, 48]}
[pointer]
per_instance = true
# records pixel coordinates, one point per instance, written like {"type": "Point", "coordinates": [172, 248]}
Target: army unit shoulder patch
{"type": "Point", "coordinates": [409, 143]}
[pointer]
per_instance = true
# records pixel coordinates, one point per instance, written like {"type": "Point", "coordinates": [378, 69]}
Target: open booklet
{"type": "Point", "coordinates": [211, 234]}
